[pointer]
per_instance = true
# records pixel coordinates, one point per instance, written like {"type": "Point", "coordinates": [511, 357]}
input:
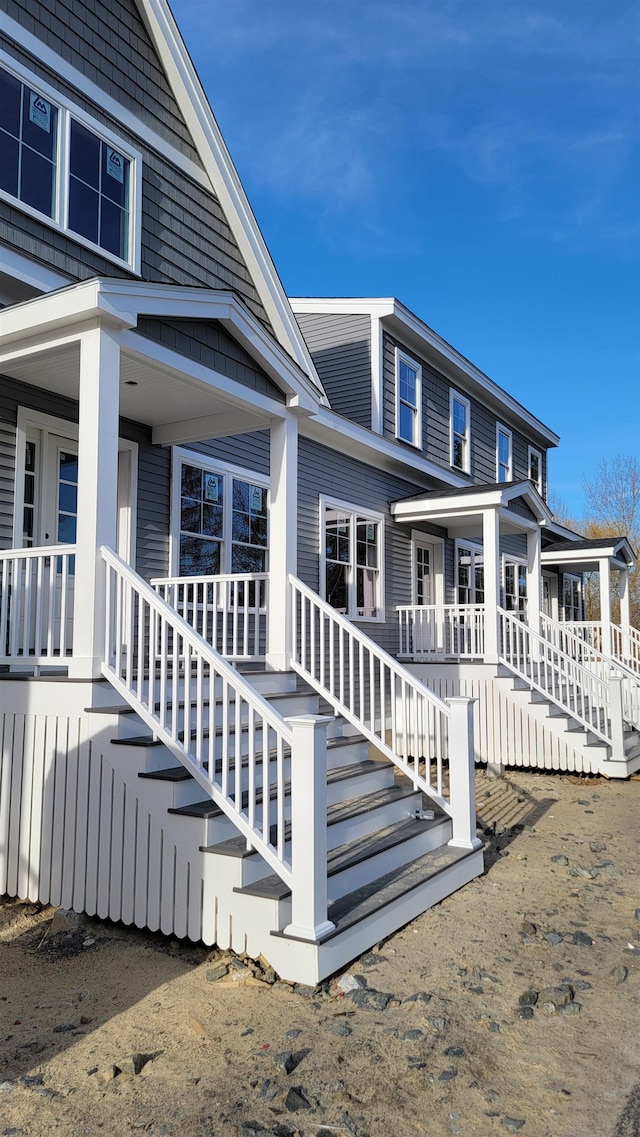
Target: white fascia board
{"type": "Point", "coordinates": [619, 551]}
{"type": "Point", "coordinates": [448, 506]}
{"type": "Point", "coordinates": [333, 431]}
{"type": "Point", "coordinates": [40, 50]}
{"type": "Point", "coordinates": [553, 526]}
{"type": "Point", "coordinates": [536, 503]}
{"type": "Point", "coordinates": [57, 310]}
{"type": "Point", "coordinates": [224, 178]}
{"type": "Point", "coordinates": [30, 272]}
{"type": "Point", "coordinates": [413, 331]}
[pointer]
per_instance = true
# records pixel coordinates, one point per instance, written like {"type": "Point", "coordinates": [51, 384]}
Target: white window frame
{"type": "Point", "coordinates": [538, 454]}
{"type": "Point", "coordinates": [575, 579]}
{"type": "Point", "coordinates": [466, 467]}
{"type": "Point", "coordinates": [68, 110]}
{"type": "Point", "coordinates": [437, 568]}
{"type": "Point", "coordinates": [33, 422]}
{"type": "Point", "coordinates": [477, 555]}
{"type": "Point", "coordinates": [368, 515]}
{"type": "Point", "coordinates": [500, 429]}
{"type": "Point", "coordinates": [228, 472]}
{"type": "Point", "coordinates": [519, 563]}
{"type": "Point", "coordinates": [416, 438]}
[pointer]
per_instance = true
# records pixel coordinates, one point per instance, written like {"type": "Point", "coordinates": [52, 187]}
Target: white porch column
{"type": "Point", "coordinates": [97, 493]}
{"type": "Point", "coordinates": [625, 612]}
{"type": "Point", "coordinates": [604, 570]}
{"type": "Point", "coordinates": [491, 551]}
{"type": "Point", "coordinates": [283, 538]}
{"type": "Point", "coordinates": [534, 578]}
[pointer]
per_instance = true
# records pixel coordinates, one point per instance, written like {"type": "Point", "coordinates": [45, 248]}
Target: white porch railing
{"type": "Point", "coordinates": [230, 612]}
{"type": "Point", "coordinates": [625, 645]}
{"type": "Point", "coordinates": [571, 640]}
{"type": "Point", "coordinates": [577, 689]}
{"type": "Point", "coordinates": [36, 605]}
{"type": "Point", "coordinates": [405, 721]}
{"type": "Point", "coordinates": [441, 631]}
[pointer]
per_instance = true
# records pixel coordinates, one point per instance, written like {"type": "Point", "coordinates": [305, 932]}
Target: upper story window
{"type": "Point", "coordinates": [408, 396]}
{"type": "Point", "coordinates": [351, 560]}
{"type": "Point", "coordinates": [535, 468]}
{"type": "Point", "coordinates": [503, 454]}
{"type": "Point", "coordinates": [460, 430]}
{"type": "Point", "coordinates": [66, 169]}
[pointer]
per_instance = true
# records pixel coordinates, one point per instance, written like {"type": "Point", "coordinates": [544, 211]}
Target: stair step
{"type": "Point", "coordinates": [138, 740]}
{"type": "Point", "coordinates": [346, 856]}
{"type": "Point", "coordinates": [363, 902]}
{"type": "Point", "coordinates": [115, 709]}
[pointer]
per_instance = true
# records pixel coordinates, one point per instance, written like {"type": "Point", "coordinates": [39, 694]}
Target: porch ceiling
{"type": "Point", "coordinates": [153, 394]}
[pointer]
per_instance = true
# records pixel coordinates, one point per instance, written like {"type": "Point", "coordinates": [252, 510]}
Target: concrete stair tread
{"type": "Point", "coordinates": [347, 855]}
{"type": "Point", "coordinates": [368, 900]}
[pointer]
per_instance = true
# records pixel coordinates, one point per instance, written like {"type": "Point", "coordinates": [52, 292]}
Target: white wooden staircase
{"type": "Point", "coordinates": [193, 874]}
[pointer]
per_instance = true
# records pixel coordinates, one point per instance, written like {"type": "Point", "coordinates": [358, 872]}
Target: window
{"type": "Point", "coordinates": [535, 468]}
{"type": "Point", "coordinates": [351, 558]}
{"type": "Point", "coordinates": [503, 454]}
{"type": "Point", "coordinates": [223, 522]}
{"type": "Point", "coordinates": [408, 388]}
{"type": "Point", "coordinates": [460, 416]}
{"type": "Point", "coordinates": [515, 588]}
{"type": "Point", "coordinates": [469, 574]}
{"type": "Point", "coordinates": [65, 168]}
{"type": "Point", "coordinates": [571, 598]}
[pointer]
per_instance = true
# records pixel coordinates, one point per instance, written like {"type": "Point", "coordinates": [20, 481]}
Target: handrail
{"type": "Point", "coordinates": [453, 630]}
{"type": "Point", "coordinates": [569, 641]}
{"type": "Point", "coordinates": [36, 605]}
{"type": "Point", "coordinates": [166, 671]}
{"type": "Point", "coordinates": [229, 610]}
{"type": "Point", "coordinates": [563, 680]}
{"type": "Point", "coordinates": [403, 719]}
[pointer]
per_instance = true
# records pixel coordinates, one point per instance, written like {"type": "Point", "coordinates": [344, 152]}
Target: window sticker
{"type": "Point", "coordinates": [40, 111]}
{"type": "Point", "coordinates": [211, 487]}
{"type": "Point", "coordinates": [256, 499]}
{"type": "Point", "coordinates": [115, 165]}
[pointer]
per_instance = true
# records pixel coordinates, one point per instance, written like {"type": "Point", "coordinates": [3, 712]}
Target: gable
{"type": "Point", "coordinates": [117, 55]}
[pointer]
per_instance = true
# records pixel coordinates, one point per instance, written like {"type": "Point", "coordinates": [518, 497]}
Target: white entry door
{"type": "Point", "coordinates": [428, 631]}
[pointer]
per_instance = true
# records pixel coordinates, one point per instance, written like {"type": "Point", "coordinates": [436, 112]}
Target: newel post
{"type": "Point", "coordinates": [462, 772]}
{"type": "Point", "coordinates": [616, 714]}
{"type": "Point", "coordinates": [309, 827]}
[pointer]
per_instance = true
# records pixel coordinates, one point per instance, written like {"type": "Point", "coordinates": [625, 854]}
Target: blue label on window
{"type": "Point", "coordinates": [115, 165]}
{"type": "Point", "coordinates": [211, 487]}
{"type": "Point", "coordinates": [39, 111]}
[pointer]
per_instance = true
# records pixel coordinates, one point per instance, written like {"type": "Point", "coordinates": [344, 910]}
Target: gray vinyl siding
{"type": "Point", "coordinates": [154, 503]}
{"type": "Point", "coordinates": [336, 475]}
{"type": "Point", "coordinates": [7, 477]}
{"type": "Point", "coordinates": [185, 236]}
{"type": "Point", "coordinates": [110, 44]}
{"type": "Point", "coordinates": [206, 342]}
{"type": "Point", "coordinates": [249, 452]}
{"type": "Point", "coordinates": [340, 346]}
{"type": "Point", "coordinates": [435, 422]}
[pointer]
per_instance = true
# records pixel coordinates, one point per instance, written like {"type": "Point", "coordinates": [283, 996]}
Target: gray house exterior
{"type": "Point", "coordinates": [221, 512]}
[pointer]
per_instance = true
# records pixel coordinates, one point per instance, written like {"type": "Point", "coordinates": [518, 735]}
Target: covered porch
{"type": "Point", "coordinates": [99, 350]}
{"type": "Point", "coordinates": [497, 533]}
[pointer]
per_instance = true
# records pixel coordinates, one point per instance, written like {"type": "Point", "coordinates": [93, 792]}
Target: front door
{"type": "Point", "coordinates": [427, 624]}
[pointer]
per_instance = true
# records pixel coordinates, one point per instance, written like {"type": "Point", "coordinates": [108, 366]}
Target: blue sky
{"type": "Point", "coordinates": [478, 159]}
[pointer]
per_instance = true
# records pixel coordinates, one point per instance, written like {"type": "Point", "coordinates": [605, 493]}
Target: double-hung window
{"type": "Point", "coordinates": [469, 574]}
{"type": "Point", "coordinates": [503, 454]}
{"type": "Point", "coordinates": [408, 396]}
{"type": "Point", "coordinates": [223, 520]}
{"type": "Point", "coordinates": [63, 167]}
{"type": "Point", "coordinates": [535, 468]}
{"type": "Point", "coordinates": [515, 587]}
{"type": "Point", "coordinates": [460, 430]}
{"type": "Point", "coordinates": [351, 560]}
{"type": "Point", "coordinates": [571, 598]}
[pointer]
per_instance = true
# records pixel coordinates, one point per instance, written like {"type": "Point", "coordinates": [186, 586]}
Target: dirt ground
{"type": "Point", "coordinates": [527, 1017]}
